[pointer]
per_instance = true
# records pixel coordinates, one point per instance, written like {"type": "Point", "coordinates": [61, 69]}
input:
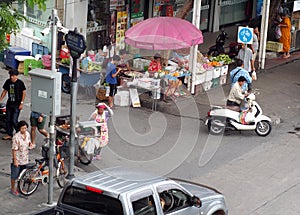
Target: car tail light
{"type": "Point", "coordinates": [93, 189]}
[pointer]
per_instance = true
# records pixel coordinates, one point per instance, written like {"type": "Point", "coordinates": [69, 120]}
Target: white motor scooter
{"type": "Point", "coordinates": [221, 118]}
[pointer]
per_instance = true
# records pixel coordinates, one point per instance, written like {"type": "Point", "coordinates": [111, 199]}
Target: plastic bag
{"type": "Point", "coordinates": [254, 76]}
{"type": "Point", "coordinates": [277, 32]}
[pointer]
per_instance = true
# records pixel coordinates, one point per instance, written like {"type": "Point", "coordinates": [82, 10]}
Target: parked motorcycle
{"type": "Point", "coordinates": [3, 116]}
{"type": "Point", "coordinates": [218, 48]}
{"type": "Point", "coordinates": [221, 118]}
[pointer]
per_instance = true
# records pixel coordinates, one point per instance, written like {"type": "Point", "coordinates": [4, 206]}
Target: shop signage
{"type": "Point", "coordinates": [76, 43]}
{"type": "Point", "coordinates": [137, 15]}
{"type": "Point", "coordinates": [245, 35]}
{"type": "Point", "coordinates": [296, 6]}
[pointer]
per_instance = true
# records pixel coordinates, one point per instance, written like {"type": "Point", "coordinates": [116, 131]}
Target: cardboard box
{"type": "Point", "coordinates": [274, 46]}
{"type": "Point", "coordinates": [21, 67]}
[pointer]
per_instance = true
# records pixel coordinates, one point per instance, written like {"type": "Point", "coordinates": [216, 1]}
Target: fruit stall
{"type": "Point", "coordinates": [170, 81]}
{"type": "Point", "coordinates": [211, 72]}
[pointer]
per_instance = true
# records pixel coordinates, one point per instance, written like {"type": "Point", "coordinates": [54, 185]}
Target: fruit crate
{"type": "Point", "coordinates": [274, 46]}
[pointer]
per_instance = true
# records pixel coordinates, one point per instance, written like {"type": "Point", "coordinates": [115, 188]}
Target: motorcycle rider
{"type": "Point", "coordinates": [238, 72]}
{"type": "Point", "coordinates": [236, 95]}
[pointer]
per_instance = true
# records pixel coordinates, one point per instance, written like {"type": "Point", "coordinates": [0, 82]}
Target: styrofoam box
{"type": "Point", "coordinates": [224, 70]}
{"type": "Point", "coordinates": [122, 98]}
{"type": "Point", "coordinates": [145, 82]}
{"type": "Point", "coordinates": [223, 79]}
{"type": "Point", "coordinates": [216, 72]}
{"type": "Point", "coordinates": [155, 82]}
{"type": "Point", "coordinates": [209, 75]}
{"type": "Point", "coordinates": [207, 85]}
{"type": "Point", "coordinates": [136, 62]}
{"type": "Point", "coordinates": [200, 78]}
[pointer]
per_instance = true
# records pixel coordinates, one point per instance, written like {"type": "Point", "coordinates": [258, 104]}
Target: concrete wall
{"type": "Point", "coordinates": [76, 13]}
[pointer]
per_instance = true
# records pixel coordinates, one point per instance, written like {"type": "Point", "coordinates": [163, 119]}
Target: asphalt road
{"type": "Point", "coordinates": [257, 175]}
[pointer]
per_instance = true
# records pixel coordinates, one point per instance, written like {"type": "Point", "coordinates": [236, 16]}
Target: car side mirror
{"type": "Point", "coordinates": [196, 202]}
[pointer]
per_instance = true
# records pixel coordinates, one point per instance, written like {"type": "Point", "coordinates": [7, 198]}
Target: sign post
{"type": "Point", "coordinates": [245, 36]}
{"type": "Point", "coordinates": [77, 45]}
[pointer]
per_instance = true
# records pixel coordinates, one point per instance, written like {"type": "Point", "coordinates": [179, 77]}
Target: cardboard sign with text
{"type": "Point", "coordinates": [134, 96]}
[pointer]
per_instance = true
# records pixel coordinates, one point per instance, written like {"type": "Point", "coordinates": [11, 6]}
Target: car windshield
{"type": "Point", "coordinates": [91, 201]}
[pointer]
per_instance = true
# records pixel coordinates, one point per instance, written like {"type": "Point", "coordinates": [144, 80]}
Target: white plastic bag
{"type": "Point", "coordinates": [249, 117]}
{"type": "Point", "coordinates": [278, 32]}
{"type": "Point", "coordinates": [254, 76]}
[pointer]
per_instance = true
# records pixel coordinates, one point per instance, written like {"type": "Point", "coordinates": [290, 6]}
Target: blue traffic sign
{"type": "Point", "coordinates": [245, 35]}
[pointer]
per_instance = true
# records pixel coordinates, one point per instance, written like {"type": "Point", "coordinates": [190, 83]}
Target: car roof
{"type": "Point", "coordinates": [117, 180]}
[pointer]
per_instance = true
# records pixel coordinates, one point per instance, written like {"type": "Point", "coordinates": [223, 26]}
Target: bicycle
{"type": "Point", "coordinates": [35, 174]}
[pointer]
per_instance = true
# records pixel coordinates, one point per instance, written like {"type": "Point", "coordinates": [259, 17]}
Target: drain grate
{"type": "Point", "coordinates": [5, 174]}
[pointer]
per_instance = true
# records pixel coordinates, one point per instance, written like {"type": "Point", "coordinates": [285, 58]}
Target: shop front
{"type": "Point", "coordinates": [234, 11]}
{"type": "Point", "coordinates": [172, 7]}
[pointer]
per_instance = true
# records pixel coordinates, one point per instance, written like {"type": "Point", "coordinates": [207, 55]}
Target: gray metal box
{"type": "Point", "coordinates": [45, 91]}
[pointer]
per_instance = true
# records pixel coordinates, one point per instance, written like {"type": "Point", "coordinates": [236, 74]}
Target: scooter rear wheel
{"type": "Point", "coordinates": [66, 83]}
{"type": "Point", "coordinates": [216, 126]}
{"type": "Point", "coordinates": [263, 128]}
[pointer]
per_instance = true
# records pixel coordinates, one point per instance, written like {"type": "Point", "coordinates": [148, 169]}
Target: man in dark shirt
{"type": "Point", "coordinates": [16, 91]}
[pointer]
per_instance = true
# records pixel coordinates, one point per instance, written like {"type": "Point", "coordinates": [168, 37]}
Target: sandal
{"type": "Point", "coordinates": [15, 193]}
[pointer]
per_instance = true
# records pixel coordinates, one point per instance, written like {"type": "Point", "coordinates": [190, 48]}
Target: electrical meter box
{"type": "Point", "coordinates": [45, 91]}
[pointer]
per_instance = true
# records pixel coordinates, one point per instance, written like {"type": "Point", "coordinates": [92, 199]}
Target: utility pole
{"type": "Point", "coordinates": [51, 130]}
{"type": "Point", "coordinates": [264, 34]}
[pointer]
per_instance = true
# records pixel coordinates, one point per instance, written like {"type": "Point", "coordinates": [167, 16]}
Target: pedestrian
{"type": "Point", "coordinates": [285, 28]}
{"type": "Point", "coordinates": [238, 72]}
{"type": "Point", "coordinates": [101, 116]}
{"type": "Point", "coordinates": [124, 64]}
{"type": "Point", "coordinates": [245, 53]}
{"type": "Point", "coordinates": [37, 121]}
{"type": "Point", "coordinates": [254, 47]}
{"type": "Point", "coordinates": [236, 94]}
{"type": "Point", "coordinates": [99, 56]}
{"type": "Point", "coordinates": [16, 90]}
{"type": "Point", "coordinates": [111, 78]}
{"type": "Point", "coordinates": [20, 153]}
{"type": "Point", "coordinates": [155, 64]}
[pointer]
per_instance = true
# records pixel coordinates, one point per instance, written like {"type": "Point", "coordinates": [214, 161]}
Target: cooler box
{"type": "Point", "coordinates": [10, 53]}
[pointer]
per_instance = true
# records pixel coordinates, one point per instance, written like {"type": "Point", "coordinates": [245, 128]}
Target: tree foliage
{"type": "Point", "coordinates": [9, 18]}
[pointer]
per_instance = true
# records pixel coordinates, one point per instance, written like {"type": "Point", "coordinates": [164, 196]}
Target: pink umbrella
{"type": "Point", "coordinates": [163, 33]}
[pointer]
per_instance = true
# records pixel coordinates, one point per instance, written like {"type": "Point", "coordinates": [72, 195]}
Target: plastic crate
{"type": "Point", "coordinates": [32, 64]}
{"type": "Point", "coordinates": [274, 46]}
{"type": "Point", "coordinates": [39, 49]}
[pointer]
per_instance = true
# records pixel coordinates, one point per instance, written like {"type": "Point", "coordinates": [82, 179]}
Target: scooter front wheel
{"type": "Point", "coordinates": [216, 126]}
{"type": "Point", "coordinates": [263, 128]}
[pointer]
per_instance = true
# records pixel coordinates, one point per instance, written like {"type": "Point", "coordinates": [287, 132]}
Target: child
{"type": "Point", "coordinates": [20, 153]}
